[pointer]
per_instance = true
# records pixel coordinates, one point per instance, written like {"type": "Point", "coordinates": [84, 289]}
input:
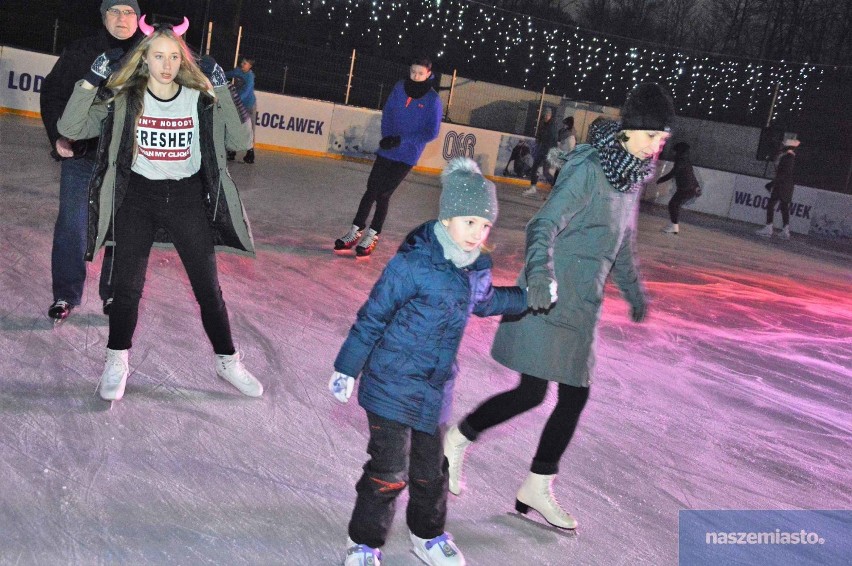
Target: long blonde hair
{"type": "Point", "coordinates": [131, 80]}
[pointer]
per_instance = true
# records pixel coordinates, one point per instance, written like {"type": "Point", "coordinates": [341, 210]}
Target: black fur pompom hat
{"type": "Point", "coordinates": [648, 107]}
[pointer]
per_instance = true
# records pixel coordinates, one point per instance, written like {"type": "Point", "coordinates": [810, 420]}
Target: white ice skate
{"type": "Point", "coordinates": [671, 229]}
{"type": "Point", "coordinates": [362, 555]}
{"type": "Point", "coordinates": [455, 444]}
{"type": "Point", "coordinates": [439, 551]}
{"type": "Point", "coordinates": [766, 231]}
{"type": "Point", "coordinates": [537, 493]}
{"type": "Point", "coordinates": [114, 377]}
{"type": "Point", "coordinates": [231, 369]}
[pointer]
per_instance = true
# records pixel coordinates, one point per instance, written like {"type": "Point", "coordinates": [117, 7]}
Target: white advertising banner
{"type": "Point", "coordinates": [455, 140]}
{"type": "Point", "coordinates": [355, 132]}
{"type": "Point", "coordinates": [298, 123]}
{"type": "Point", "coordinates": [21, 76]}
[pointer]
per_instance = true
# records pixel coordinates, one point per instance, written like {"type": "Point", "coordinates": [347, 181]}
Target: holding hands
{"type": "Point", "coordinates": [212, 71]}
{"type": "Point", "coordinates": [541, 293]}
{"type": "Point", "coordinates": [341, 386]}
{"type": "Point", "coordinates": [105, 64]}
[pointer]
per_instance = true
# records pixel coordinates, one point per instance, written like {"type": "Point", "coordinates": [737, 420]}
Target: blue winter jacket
{"type": "Point", "coordinates": [246, 86]}
{"type": "Point", "coordinates": [416, 121]}
{"type": "Point", "coordinates": [406, 336]}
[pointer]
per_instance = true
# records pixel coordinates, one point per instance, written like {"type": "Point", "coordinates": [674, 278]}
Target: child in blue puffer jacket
{"type": "Point", "coordinates": [404, 344]}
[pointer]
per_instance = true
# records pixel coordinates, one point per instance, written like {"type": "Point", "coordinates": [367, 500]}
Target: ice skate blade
{"type": "Point", "coordinates": [568, 533]}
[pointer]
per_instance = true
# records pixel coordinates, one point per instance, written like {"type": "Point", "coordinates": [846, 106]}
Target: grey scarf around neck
{"type": "Point", "coordinates": [452, 251]}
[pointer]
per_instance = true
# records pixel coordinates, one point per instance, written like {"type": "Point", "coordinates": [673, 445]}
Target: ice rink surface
{"type": "Point", "coordinates": [734, 394]}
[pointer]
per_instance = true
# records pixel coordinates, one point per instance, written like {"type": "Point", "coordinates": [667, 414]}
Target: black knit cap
{"type": "Point", "coordinates": [648, 107]}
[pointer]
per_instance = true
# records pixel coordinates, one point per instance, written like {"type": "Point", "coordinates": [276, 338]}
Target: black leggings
{"type": "Point", "coordinates": [529, 393]}
{"type": "Point", "coordinates": [774, 199]}
{"type": "Point", "coordinates": [676, 202]}
{"type": "Point", "coordinates": [177, 207]}
{"type": "Point", "coordinates": [384, 179]}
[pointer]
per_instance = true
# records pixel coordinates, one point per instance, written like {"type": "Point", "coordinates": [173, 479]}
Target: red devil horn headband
{"type": "Point", "coordinates": [149, 29]}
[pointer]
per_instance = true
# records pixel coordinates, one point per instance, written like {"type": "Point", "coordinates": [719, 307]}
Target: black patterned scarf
{"type": "Point", "coordinates": [625, 172]}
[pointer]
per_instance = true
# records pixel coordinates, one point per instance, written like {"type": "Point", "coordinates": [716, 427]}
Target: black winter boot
{"type": "Point", "coordinates": [249, 158]}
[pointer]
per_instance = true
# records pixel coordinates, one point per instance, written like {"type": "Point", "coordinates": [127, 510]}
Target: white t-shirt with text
{"type": "Point", "coordinates": [167, 137]}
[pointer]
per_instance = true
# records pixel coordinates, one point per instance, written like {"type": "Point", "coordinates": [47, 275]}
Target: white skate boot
{"type": "Point", "coordinates": [455, 444]}
{"type": "Point", "coordinates": [537, 493]}
{"type": "Point", "coordinates": [231, 369]}
{"type": "Point", "coordinates": [439, 551]}
{"type": "Point", "coordinates": [362, 555]}
{"type": "Point", "coordinates": [671, 229]}
{"type": "Point", "coordinates": [114, 377]}
{"type": "Point", "coordinates": [766, 231]}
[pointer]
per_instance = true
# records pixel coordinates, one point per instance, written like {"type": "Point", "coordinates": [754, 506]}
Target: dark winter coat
{"type": "Point", "coordinates": [72, 65]}
{"type": "Point", "coordinates": [547, 135]}
{"type": "Point", "coordinates": [684, 175]}
{"type": "Point", "coordinates": [219, 128]}
{"type": "Point", "coordinates": [783, 185]}
{"type": "Point", "coordinates": [405, 339]}
{"type": "Point", "coordinates": [584, 232]}
{"type": "Point", "coordinates": [416, 121]}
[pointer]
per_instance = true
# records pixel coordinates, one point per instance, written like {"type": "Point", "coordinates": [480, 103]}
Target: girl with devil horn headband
{"type": "Point", "coordinates": [166, 125]}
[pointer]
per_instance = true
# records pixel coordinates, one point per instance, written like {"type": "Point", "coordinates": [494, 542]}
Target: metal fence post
{"type": "Point", "coordinates": [349, 84]}
{"type": "Point", "coordinates": [55, 33]}
{"type": "Point", "coordinates": [450, 96]}
{"type": "Point", "coordinates": [284, 84]}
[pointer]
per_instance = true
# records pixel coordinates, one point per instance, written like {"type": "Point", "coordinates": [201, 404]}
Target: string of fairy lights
{"type": "Point", "coordinates": [570, 61]}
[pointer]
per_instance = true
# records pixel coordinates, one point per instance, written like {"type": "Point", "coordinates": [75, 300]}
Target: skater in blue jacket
{"type": "Point", "coordinates": [411, 118]}
{"type": "Point", "coordinates": [403, 345]}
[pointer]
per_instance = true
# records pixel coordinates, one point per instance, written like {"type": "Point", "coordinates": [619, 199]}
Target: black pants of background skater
{"type": "Point", "coordinates": [774, 199]}
{"type": "Point", "coordinates": [177, 207]}
{"type": "Point", "coordinates": [529, 393]}
{"type": "Point", "coordinates": [384, 179]}
{"type": "Point", "coordinates": [399, 454]}
{"type": "Point", "coordinates": [676, 202]}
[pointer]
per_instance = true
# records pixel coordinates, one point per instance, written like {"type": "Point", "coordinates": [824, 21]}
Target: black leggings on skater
{"type": "Point", "coordinates": [529, 393]}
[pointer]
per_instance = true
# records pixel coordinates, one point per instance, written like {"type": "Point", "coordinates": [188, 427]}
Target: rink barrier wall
{"type": "Point", "coordinates": [325, 129]}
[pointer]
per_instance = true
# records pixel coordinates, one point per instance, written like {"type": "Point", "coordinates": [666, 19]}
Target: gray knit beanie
{"type": "Point", "coordinates": [466, 192]}
{"type": "Point", "coordinates": [107, 4]}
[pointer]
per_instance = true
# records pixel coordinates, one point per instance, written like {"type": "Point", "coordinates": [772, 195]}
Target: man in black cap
{"type": "Point", "coordinates": [68, 268]}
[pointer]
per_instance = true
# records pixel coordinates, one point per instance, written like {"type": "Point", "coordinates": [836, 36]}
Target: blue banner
{"type": "Point", "coordinates": [780, 538]}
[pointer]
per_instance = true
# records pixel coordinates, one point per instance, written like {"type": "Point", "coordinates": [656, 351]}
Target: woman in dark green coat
{"type": "Point", "coordinates": [584, 232]}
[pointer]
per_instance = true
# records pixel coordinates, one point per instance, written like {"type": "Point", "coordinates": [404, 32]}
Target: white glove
{"type": "Point", "coordinates": [341, 386]}
{"type": "Point", "coordinates": [553, 296]}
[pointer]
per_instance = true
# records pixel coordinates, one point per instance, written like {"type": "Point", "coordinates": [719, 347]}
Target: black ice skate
{"type": "Point", "coordinates": [59, 311]}
{"type": "Point", "coordinates": [367, 244]}
{"type": "Point", "coordinates": [348, 241]}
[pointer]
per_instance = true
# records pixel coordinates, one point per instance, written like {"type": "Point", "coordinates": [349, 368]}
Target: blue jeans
{"type": "Point", "coordinates": [68, 266]}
